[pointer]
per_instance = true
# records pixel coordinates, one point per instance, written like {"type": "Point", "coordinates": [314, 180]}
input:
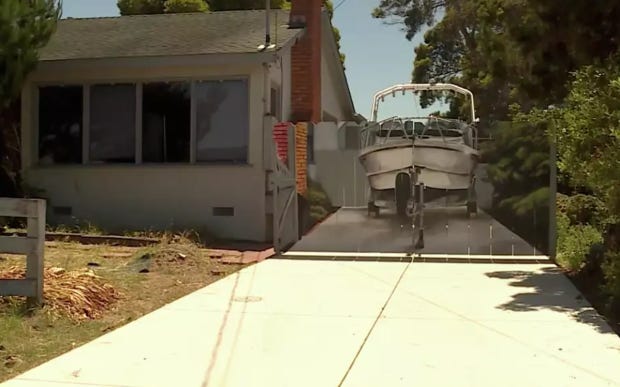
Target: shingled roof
{"type": "Point", "coordinates": [229, 32]}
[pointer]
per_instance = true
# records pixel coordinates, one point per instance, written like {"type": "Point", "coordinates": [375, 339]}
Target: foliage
{"type": "Point", "coordinates": [589, 132]}
{"type": "Point", "coordinates": [506, 51]}
{"type": "Point", "coordinates": [519, 171]}
{"type": "Point", "coordinates": [25, 27]}
{"type": "Point", "coordinates": [141, 7]}
{"type": "Point", "coordinates": [316, 195]}
{"type": "Point", "coordinates": [611, 268]}
{"type": "Point", "coordinates": [584, 209]}
{"type": "Point", "coordinates": [180, 6]}
{"type": "Point", "coordinates": [320, 205]}
{"type": "Point", "coordinates": [575, 242]}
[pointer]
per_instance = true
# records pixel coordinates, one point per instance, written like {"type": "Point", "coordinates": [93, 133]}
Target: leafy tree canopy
{"type": "Point", "coordinates": [25, 27]}
{"type": "Point", "coordinates": [179, 6]}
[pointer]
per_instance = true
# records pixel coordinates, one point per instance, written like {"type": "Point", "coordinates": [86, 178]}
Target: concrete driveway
{"type": "Point", "coordinates": [285, 322]}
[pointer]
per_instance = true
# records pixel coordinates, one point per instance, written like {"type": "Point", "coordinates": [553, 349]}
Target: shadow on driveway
{"type": "Point", "coordinates": [550, 289]}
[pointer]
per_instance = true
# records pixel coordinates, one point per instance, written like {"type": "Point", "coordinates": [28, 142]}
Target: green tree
{"type": "Point", "coordinates": [519, 171]}
{"type": "Point", "coordinates": [141, 7]}
{"type": "Point", "coordinates": [25, 27]}
{"type": "Point", "coordinates": [588, 134]}
{"type": "Point", "coordinates": [180, 6]}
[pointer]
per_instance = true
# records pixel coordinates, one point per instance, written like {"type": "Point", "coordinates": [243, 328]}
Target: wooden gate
{"type": "Point", "coordinates": [280, 155]}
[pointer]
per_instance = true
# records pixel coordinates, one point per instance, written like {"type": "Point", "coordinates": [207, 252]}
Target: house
{"type": "Point", "coordinates": [158, 121]}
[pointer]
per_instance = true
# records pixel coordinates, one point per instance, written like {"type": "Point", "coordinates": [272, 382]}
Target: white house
{"type": "Point", "coordinates": [158, 121]}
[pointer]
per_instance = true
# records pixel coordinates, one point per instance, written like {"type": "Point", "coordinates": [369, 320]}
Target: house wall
{"type": "Point", "coordinates": [280, 75]}
{"type": "Point", "coordinates": [161, 196]}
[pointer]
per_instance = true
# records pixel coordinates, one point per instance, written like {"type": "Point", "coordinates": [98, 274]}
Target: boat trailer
{"type": "Point", "coordinates": [410, 205]}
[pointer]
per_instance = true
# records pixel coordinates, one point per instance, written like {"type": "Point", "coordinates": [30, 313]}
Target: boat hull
{"type": "Point", "coordinates": [445, 165]}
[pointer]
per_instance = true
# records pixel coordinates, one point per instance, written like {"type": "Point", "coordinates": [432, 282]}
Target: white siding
{"type": "Point", "coordinates": [280, 75]}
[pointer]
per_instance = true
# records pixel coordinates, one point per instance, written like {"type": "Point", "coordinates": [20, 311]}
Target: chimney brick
{"type": "Point", "coordinates": [306, 62]}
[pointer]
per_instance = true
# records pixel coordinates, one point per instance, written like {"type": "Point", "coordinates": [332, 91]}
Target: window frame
{"type": "Point", "coordinates": [138, 84]}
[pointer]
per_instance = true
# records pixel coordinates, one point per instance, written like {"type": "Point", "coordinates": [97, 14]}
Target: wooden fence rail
{"type": "Point", "coordinates": [31, 246]}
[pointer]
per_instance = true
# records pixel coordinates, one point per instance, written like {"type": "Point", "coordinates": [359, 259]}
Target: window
{"type": "Point", "coordinates": [222, 121]}
{"type": "Point", "coordinates": [166, 122]}
{"type": "Point", "coordinates": [60, 125]}
{"type": "Point", "coordinates": [220, 124]}
{"type": "Point", "coordinates": [112, 123]}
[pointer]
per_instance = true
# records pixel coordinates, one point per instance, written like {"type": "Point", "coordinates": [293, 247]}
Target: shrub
{"type": "Point", "coordinates": [584, 209]}
{"type": "Point", "coordinates": [575, 242]}
{"type": "Point", "coordinates": [318, 213]}
{"type": "Point", "coordinates": [318, 201]}
{"type": "Point", "coordinates": [316, 195]}
{"type": "Point", "coordinates": [180, 6]}
{"type": "Point", "coordinates": [611, 270]}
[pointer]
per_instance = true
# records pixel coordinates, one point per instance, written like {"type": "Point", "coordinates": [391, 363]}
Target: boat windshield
{"type": "Point", "coordinates": [408, 128]}
{"type": "Point", "coordinates": [443, 128]}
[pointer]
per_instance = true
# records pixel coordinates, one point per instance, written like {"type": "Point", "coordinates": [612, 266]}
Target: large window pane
{"type": "Point", "coordinates": [60, 124]}
{"type": "Point", "coordinates": [166, 122]}
{"type": "Point", "coordinates": [112, 123]}
{"type": "Point", "coordinates": [222, 122]}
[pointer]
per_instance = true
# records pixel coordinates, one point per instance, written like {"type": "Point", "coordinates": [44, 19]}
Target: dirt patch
{"type": "Point", "coordinates": [116, 285]}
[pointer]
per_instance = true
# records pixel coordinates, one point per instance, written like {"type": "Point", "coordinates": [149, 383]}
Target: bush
{"type": "Point", "coordinates": [611, 270]}
{"type": "Point", "coordinates": [318, 201]}
{"type": "Point", "coordinates": [584, 209]}
{"type": "Point", "coordinates": [316, 195]}
{"type": "Point", "coordinates": [575, 242]}
{"type": "Point", "coordinates": [318, 213]}
{"type": "Point", "coordinates": [180, 6]}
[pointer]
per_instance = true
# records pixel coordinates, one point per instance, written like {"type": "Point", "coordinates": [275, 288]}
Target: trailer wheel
{"type": "Point", "coordinates": [472, 208]}
{"type": "Point", "coordinates": [373, 210]}
{"type": "Point", "coordinates": [402, 193]}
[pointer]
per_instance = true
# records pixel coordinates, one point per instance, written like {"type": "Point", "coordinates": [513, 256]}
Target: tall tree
{"type": "Point", "coordinates": [25, 27]}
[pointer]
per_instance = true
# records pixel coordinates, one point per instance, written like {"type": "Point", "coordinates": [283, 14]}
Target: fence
{"type": "Point", "coordinates": [31, 246]}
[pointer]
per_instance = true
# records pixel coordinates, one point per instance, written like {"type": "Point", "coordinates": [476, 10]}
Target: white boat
{"type": "Point", "coordinates": [443, 150]}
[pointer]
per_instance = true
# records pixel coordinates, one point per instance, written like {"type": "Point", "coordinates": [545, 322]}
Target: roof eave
{"type": "Point", "coordinates": [171, 60]}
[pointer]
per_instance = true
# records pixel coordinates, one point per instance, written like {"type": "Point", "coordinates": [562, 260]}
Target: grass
{"type": "Point", "coordinates": [147, 278]}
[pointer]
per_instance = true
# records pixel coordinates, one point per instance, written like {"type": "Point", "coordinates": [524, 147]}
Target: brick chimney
{"type": "Point", "coordinates": [306, 62]}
